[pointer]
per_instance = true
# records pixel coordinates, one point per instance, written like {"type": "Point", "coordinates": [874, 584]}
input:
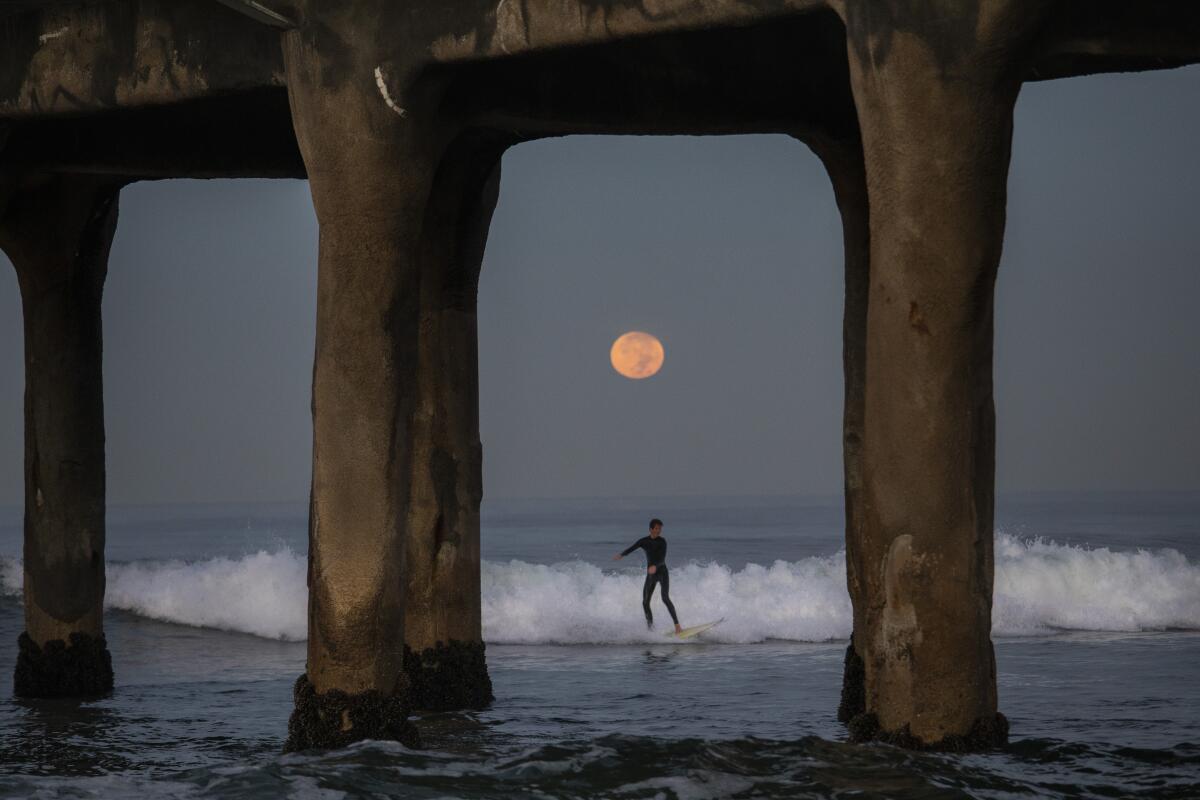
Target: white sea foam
{"type": "Point", "coordinates": [1040, 586]}
{"type": "Point", "coordinates": [264, 593]}
{"type": "Point", "coordinates": [577, 602]}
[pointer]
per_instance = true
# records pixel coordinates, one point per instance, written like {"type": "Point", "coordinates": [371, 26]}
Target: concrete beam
{"type": "Point", "coordinates": [247, 134]}
{"type": "Point", "coordinates": [86, 57]}
{"type": "Point", "coordinates": [789, 76]}
{"type": "Point", "coordinates": [485, 29]}
{"type": "Point", "coordinates": [1115, 36]}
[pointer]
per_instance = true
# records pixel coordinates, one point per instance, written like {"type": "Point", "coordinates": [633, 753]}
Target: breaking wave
{"type": "Point", "coordinates": [1040, 587]}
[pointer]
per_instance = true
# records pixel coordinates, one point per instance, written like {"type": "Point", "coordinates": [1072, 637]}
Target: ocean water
{"type": "Point", "coordinates": [1097, 631]}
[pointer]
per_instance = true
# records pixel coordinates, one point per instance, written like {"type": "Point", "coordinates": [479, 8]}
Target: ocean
{"type": "Point", "coordinates": [1096, 626]}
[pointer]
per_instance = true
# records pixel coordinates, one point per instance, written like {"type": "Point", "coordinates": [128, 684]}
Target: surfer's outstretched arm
{"type": "Point", "coordinates": [631, 548]}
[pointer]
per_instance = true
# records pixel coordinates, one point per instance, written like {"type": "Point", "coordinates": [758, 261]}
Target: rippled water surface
{"type": "Point", "coordinates": [1100, 679]}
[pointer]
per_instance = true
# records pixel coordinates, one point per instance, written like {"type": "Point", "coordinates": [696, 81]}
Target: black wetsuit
{"type": "Point", "coordinates": [656, 555]}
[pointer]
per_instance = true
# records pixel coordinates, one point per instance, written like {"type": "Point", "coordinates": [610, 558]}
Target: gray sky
{"type": "Point", "coordinates": [729, 250]}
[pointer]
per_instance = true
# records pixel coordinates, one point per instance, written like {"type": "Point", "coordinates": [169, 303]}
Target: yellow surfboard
{"type": "Point", "coordinates": [695, 630]}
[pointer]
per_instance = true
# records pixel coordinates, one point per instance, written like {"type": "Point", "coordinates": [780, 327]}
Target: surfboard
{"type": "Point", "coordinates": [695, 630]}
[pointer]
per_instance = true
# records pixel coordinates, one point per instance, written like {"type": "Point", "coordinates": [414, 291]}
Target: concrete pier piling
{"type": "Point", "coordinates": [937, 126]}
{"type": "Point", "coordinates": [57, 231]}
{"type": "Point", "coordinates": [370, 200]}
{"type": "Point", "coordinates": [444, 651]}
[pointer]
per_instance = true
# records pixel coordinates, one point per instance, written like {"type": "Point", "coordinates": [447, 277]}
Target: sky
{"type": "Point", "coordinates": [726, 248]}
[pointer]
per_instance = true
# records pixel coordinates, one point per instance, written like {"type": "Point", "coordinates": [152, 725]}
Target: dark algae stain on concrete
{"type": "Point", "coordinates": [115, 63]}
{"type": "Point", "coordinates": [854, 689]}
{"type": "Point", "coordinates": [81, 669]}
{"type": "Point", "coordinates": [448, 676]}
{"type": "Point", "coordinates": [336, 719]}
{"type": "Point", "coordinates": [18, 45]}
{"type": "Point", "coordinates": [987, 733]}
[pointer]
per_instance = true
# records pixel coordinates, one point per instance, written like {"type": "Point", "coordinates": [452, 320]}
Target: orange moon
{"type": "Point", "coordinates": [637, 355]}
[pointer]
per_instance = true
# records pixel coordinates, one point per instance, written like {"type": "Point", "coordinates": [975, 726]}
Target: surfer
{"type": "Point", "coordinates": [656, 571]}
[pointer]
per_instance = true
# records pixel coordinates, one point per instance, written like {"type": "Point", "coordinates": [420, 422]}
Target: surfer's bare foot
{"type": "Point", "coordinates": [678, 628]}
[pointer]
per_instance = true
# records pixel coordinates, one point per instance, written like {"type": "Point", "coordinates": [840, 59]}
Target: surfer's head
{"type": "Point", "coordinates": [655, 526]}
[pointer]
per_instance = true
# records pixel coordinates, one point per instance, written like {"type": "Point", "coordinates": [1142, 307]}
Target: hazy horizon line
{"type": "Point", "coordinates": [700, 497]}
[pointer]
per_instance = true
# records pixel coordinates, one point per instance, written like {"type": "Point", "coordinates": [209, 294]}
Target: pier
{"type": "Point", "coordinates": [398, 114]}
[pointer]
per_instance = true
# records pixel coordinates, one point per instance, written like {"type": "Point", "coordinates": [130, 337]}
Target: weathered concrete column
{"type": "Point", "coordinates": [57, 230]}
{"type": "Point", "coordinates": [843, 160]}
{"type": "Point", "coordinates": [936, 119]}
{"type": "Point", "coordinates": [444, 651]}
{"type": "Point", "coordinates": [371, 148]}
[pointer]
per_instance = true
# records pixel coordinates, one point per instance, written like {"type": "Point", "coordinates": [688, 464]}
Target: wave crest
{"type": "Point", "coordinates": [264, 594]}
{"type": "Point", "coordinates": [1040, 586]}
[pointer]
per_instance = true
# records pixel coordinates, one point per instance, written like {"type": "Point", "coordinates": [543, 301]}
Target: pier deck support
{"type": "Point", "coordinates": [372, 144]}
{"type": "Point", "coordinates": [444, 651]}
{"type": "Point", "coordinates": [57, 230]}
{"type": "Point", "coordinates": [936, 118]}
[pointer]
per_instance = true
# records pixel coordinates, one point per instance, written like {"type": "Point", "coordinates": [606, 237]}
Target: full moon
{"type": "Point", "coordinates": [637, 355]}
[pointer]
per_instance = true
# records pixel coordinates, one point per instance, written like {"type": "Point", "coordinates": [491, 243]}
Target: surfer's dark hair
{"type": "Point", "coordinates": [656, 521]}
